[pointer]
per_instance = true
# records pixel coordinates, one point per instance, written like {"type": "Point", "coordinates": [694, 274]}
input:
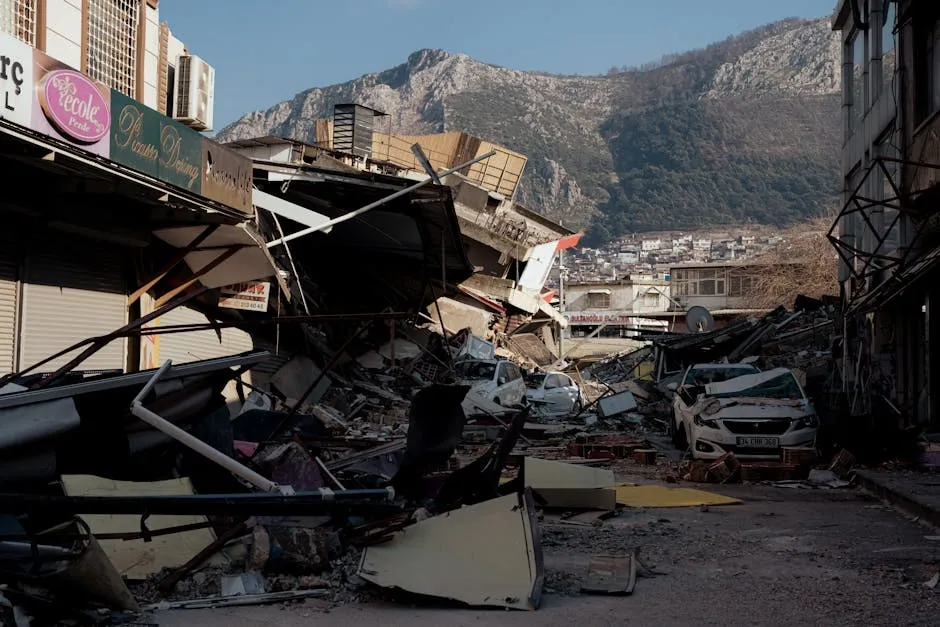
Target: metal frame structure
{"type": "Point", "coordinates": [876, 261]}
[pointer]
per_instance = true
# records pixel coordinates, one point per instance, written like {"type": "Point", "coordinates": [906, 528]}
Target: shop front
{"type": "Point", "coordinates": [102, 201]}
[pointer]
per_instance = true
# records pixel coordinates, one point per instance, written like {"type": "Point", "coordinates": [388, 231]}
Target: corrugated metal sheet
{"type": "Point", "coordinates": [196, 345]}
{"type": "Point", "coordinates": [72, 291]}
{"type": "Point", "coordinates": [9, 267]}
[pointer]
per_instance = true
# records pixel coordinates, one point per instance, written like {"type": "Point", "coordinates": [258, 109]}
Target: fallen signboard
{"type": "Point", "coordinates": [248, 296]}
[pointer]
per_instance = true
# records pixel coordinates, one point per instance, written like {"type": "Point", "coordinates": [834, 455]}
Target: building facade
{"type": "Point", "coordinates": [886, 233]}
{"type": "Point", "coordinates": [617, 306]}
{"type": "Point", "coordinates": [102, 189]}
{"type": "Point", "coordinates": [122, 44]}
{"type": "Point", "coordinates": [717, 287]}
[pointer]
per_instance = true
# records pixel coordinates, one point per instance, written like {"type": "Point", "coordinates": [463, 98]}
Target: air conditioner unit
{"type": "Point", "coordinates": [195, 92]}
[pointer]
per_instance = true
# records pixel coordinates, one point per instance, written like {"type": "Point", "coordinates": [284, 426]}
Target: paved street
{"type": "Point", "coordinates": [783, 557]}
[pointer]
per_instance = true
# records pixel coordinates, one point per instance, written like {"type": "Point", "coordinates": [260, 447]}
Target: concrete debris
{"type": "Point", "coordinates": [608, 574]}
{"type": "Point", "coordinates": [447, 556]}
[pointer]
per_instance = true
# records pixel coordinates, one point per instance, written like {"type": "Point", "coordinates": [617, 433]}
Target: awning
{"type": "Point", "coordinates": [288, 210]}
{"type": "Point", "coordinates": [896, 285]}
{"type": "Point", "coordinates": [603, 291]}
{"type": "Point", "coordinates": [248, 261]}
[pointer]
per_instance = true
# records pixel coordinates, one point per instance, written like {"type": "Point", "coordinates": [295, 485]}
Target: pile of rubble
{"type": "Point", "coordinates": [188, 487]}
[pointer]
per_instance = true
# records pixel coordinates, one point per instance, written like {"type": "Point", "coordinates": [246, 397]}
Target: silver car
{"type": "Point", "coordinates": [553, 394]}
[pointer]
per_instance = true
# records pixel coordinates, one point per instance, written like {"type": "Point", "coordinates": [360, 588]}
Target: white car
{"type": "Point", "coordinates": [735, 408]}
{"type": "Point", "coordinates": [553, 393]}
{"type": "Point", "coordinates": [496, 380]}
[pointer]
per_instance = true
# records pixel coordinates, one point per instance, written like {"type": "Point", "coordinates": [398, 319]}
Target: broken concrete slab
{"type": "Point", "coordinates": [570, 486]}
{"type": "Point", "coordinates": [295, 378]}
{"type": "Point", "coordinates": [488, 554]}
{"type": "Point", "coordinates": [610, 574]}
{"type": "Point", "coordinates": [616, 404]}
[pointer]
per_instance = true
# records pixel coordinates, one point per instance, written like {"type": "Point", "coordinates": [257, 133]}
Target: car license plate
{"type": "Point", "coordinates": [759, 442]}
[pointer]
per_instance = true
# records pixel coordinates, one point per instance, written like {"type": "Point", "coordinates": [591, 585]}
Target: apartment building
{"type": "Point", "coordinates": [617, 306]}
{"type": "Point", "coordinates": [886, 233]}
{"type": "Point", "coordinates": [122, 44]}
{"type": "Point", "coordinates": [105, 174]}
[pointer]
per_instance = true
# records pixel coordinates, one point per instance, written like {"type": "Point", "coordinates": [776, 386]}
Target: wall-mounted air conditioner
{"type": "Point", "coordinates": [195, 92]}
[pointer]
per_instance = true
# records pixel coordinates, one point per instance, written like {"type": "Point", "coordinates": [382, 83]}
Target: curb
{"type": "Point", "coordinates": [903, 499]}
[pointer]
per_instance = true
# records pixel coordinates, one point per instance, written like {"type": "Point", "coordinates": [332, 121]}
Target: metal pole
{"type": "Point", "coordinates": [377, 203]}
{"type": "Point", "coordinates": [561, 302]}
{"type": "Point", "coordinates": [186, 439]}
{"type": "Point", "coordinates": [293, 267]}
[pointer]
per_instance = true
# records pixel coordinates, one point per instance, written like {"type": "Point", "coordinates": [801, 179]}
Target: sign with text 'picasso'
{"type": "Point", "coordinates": [16, 80]}
{"type": "Point", "coordinates": [150, 142]}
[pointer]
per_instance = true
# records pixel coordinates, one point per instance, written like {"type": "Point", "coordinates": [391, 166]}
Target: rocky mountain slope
{"type": "Point", "coordinates": [745, 129]}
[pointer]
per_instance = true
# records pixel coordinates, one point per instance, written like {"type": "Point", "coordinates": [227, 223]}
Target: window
{"type": "Point", "coordinates": [926, 41]}
{"type": "Point", "coordinates": [739, 283]}
{"type": "Point", "coordinates": [552, 382]}
{"type": "Point", "coordinates": [112, 43]}
{"type": "Point", "coordinates": [890, 228]}
{"type": "Point", "coordinates": [889, 55]}
{"type": "Point", "coordinates": [18, 18]}
{"type": "Point", "coordinates": [598, 300]}
{"type": "Point", "coordinates": [857, 80]}
{"type": "Point", "coordinates": [933, 68]}
{"type": "Point", "coordinates": [650, 299]}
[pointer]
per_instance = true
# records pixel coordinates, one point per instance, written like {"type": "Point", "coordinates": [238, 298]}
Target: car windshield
{"type": "Point", "coordinates": [475, 370]}
{"type": "Point", "coordinates": [704, 376]}
{"type": "Point", "coordinates": [534, 381]}
{"type": "Point", "coordinates": [781, 387]}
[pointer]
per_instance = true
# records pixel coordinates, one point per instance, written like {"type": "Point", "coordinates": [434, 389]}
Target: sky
{"type": "Point", "coordinates": [266, 51]}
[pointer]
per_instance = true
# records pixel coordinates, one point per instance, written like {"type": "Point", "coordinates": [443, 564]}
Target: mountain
{"type": "Point", "coordinates": [747, 129]}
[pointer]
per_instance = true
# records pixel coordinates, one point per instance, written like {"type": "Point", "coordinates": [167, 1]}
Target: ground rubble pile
{"type": "Point", "coordinates": [325, 483]}
{"type": "Point", "coordinates": [803, 341]}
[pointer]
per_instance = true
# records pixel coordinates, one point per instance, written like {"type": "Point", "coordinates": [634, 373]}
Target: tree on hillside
{"type": "Point", "coordinates": [806, 263]}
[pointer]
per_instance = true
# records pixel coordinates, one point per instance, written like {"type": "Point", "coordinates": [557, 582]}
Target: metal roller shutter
{"type": "Point", "coordinates": [9, 267]}
{"type": "Point", "coordinates": [197, 345]}
{"type": "Point", "coordinates": [72, 290]}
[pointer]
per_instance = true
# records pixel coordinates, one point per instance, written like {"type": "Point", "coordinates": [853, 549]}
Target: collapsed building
{"type": "Point", "coordinates": [510, 248]}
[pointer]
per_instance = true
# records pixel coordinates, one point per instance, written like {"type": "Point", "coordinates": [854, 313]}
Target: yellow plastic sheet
{"type": "Point", "coordinates": [661, 496]}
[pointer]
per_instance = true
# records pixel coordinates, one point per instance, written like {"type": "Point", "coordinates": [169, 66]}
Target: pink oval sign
{"type": "Point", "coordinates": [73, 103]}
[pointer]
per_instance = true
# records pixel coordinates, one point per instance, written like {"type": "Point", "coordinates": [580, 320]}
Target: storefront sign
{"type": "Point", "coordinates": [69, 106]}
{"type": "Point", "coordinates": [180, 155]}
{"type": "Point", "coordinates": [250, 296]}
{"type": "Point", "coordinates": [16, 80]}
{"type": "Point", "coordinates": [226, 176]}
{"type": "Point", "coordinates": [73, 102]}
{"type": "Point", "coordinates": [135, 136]}
{"type": "Point", "coordinates": [592, 317]}
{"type": "Point", "coordinates": [152, 143]}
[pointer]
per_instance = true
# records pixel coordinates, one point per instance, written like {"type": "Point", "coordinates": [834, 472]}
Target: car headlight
{"type": "Point", "coordinates": [806, 422]}
{"type": "Point", "coordinates": [705, 422]}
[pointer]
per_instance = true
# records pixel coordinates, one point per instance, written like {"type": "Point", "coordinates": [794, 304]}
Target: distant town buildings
{"type": "Point", "coordinates": [655, 254]}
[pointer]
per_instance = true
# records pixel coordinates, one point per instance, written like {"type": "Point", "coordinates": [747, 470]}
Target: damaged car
{"type": "Point", "coordinates": [553, 394]}
{"type": "Point", "coordinates": [734, 408]}
{"type": "Point", "coordinates": [497, 380]}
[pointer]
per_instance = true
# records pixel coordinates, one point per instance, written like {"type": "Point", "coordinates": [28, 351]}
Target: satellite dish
{"type": "Point", "coordinates": [699, 320]}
